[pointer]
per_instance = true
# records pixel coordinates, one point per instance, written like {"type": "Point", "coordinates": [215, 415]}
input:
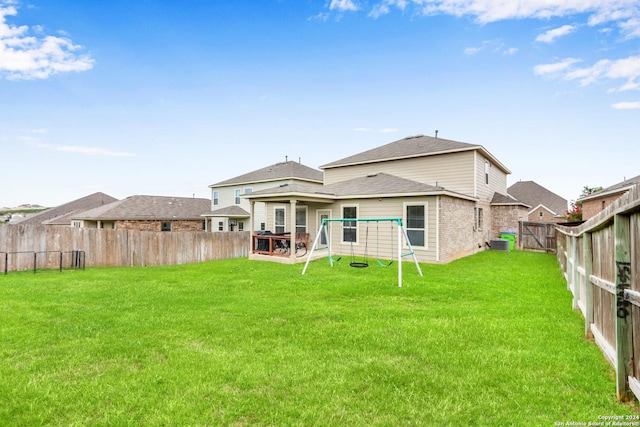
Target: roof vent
{"type": "Point", "coordinates": [372, 175]}
{"type": "Point", "coordinates": [284, 185]}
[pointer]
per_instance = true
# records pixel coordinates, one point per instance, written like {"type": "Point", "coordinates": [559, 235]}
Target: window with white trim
{"type": "Point", "coordinates": [301, 219]}
{"type": "Point", "coordinates": [216, 198]}
{"type": "Point", "coordinates": [279, 220]}
{"type": "Point", "coordinates": [350, 228]}
{"type": "Point", "coordinates": [416, 224]}
{"type": "Point", "coordinates": [237, 197]}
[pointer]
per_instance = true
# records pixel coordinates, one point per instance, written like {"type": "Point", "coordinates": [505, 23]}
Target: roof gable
{"type": "Point", "coordinates": [410, 147]}
{"type": "Point", "coordinates": [534, 194]}
{"type": "Point", "coordinates": [275, 172]}
{"type": "Point", "coordinates": [56, 214]}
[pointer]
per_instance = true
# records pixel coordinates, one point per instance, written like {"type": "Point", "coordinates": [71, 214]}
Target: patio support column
{"type": "Point", "coordinates": [252, 208]}
{"type": "Point", "coordinates": [292, 228]}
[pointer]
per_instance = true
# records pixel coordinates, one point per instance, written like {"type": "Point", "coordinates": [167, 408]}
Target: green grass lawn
{"type": "Point", "coordinates": [488, 340]}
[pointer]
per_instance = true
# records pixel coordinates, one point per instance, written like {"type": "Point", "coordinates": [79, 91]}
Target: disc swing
{"type": "Point", "coordinates": [364, 263]}
{"type": "Point", "coordinates": [378, 260]}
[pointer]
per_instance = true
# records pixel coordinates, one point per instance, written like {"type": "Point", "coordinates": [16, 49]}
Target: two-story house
{"type": "Point", "coordinates": [448, 193]}
{"type": "Point", "coordinates": [230, 211]}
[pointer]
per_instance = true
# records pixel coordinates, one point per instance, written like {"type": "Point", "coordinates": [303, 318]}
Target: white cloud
{"type": "Point", "coordinates": [388, 130]}
{"type": "Point", "coordinates": [624, 13]}
{"type": "Point", "coordinates": [551, 35]}
{"type": "Point", "coordinates": [343, 5]}
{"type": "Point", "coordinates": [555, 68]}
{"type": "Point", "coordinates": [91, 151]}
{"type": "Point", "coordinates": [28, 57]}
{"type": "Point", "coordinates": [627, 105]}
{"type": "Point", "coordinates": [605, 69]}
{"type": "Point", "coordinates": [495, 46]}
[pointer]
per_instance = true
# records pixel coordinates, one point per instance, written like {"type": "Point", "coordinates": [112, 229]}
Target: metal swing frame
{"type": "Point", "coordinates": [402, 233]}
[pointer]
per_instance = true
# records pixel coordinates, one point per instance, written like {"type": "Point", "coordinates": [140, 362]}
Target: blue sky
{"type": "Point", "coordinates": [166, 98]}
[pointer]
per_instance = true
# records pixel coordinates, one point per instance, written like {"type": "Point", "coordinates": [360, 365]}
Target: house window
{"type": "Point", "coordinates": [603, 205]}
{"type": "Point", "coordinates": [486, 172]}
{"type": "Point", "coordinates": [248, 190]}
{"type": "Point", "coordinates": [279, 220]}
{"type": "Point", "coordinates": [220, 226]}
{"type": "Point", "coordinates": [416, 224]}
{"type": "Point", "coordinates": [263, 226]}
{"type": "Point", "coordinates": [165, 226]}
{"type": "Point", "coordinates": [237, 197]}
{"type": "Point", "coordinates": [541, 215]}
{"type": "Point", "coordinates": [479, 219]}
{"type": "Point", "coordinates": [350, 228]}
{"type": "Point", "coordinates": [77, 224]}
{"type": "Point", "coordinates": [301, 220]}
{"type": "Point", "coordinates": [240, 225]}
{"type": "Point", "coordinates": [216, 198]}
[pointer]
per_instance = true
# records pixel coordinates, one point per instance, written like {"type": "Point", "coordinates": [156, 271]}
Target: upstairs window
{"type": "Point", "coordinates": [237, 197]}
{"type": "Point", "coordinates": [486, 172]}
{"type": "Point", "coordinates": [165, 226]}
{"type": "Point", "coordinates": [216, 198]}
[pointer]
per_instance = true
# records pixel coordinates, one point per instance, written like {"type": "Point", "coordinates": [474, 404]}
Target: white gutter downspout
{"type": "Point", "coordinates": [437, 228]}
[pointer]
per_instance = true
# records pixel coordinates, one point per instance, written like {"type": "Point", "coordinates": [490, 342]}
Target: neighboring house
{"type": "Point", "coordinates": [60, 214]}
{"type": "Point", "coordinates": [546, 206]}
{"type": "Point", "coordinates": [596, 202]}
{"type": "Point", "coordinates": [147, 213]}
{"type": "Point", "coordinates": [230, 212]}
{"type": "Point", "coordinates": [452, 197]}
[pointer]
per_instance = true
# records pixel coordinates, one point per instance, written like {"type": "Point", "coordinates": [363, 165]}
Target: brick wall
{"type": "Point", "coordinates": [507, 218]}
{"type": "Point", "coordinates": [457, 235]}
{"type": "Point", "coordinates": [153, 225]}
{"type": "Point", "coordinates": [591, 208]}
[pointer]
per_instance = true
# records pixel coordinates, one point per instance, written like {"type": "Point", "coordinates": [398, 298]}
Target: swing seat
{"type": "Point", "coordinates": [356, 264]}
{"type": "Point", "coordinates": [382, 264]}
{"type": "Point", "coordinates": [335, 259]}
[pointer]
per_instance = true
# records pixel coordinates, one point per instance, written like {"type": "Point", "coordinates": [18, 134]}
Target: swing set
{"type": "Point", "coordinates": [363, 262]}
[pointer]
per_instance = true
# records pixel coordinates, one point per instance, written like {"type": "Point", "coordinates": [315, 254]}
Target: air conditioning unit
{"type": "Point", "coordinates": [500, 245]}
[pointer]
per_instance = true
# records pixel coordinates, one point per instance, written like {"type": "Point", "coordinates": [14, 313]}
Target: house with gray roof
{"type": "Point", "coordinates": [60, 215]}
{"type": "Point", "coordinates": [598, 201]}
{"type": "Point", "coordinates": [147, 213]}
{"type": "Point", "coordinates": [545, 205]}
{"type": "Point", "coordinates": [451, 196]}
{"type": "Point", "coordinates": [230, 212]}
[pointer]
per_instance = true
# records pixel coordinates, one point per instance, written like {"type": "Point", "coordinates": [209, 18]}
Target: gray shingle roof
{"type": "Point", "coordinates": [615, 188]}
{"type": "Point", "coordinates": [60, 213]}
{"type": "Point", "coordinates": [534, 195]}
{"type": "Point", "coordinates": [233, 211]}
{"type": "Point", "coordinates": [414, 146]}
{"type": "Point", "coordinates": [380, 184]}
{"type": "Point", "coordinates": [506, 199]}
{"type": "Point", "coordinates": [278, 171]}
{"type": "Point", "coordinates": [150, 208]}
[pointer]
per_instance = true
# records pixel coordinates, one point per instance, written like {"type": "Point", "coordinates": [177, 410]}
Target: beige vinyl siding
{"type": "Point", "coordinates": [380, 238]}
{"type": "Point", "coordinates": [497, 179]}
{"type": "Point", "coordinates": [453, 171]}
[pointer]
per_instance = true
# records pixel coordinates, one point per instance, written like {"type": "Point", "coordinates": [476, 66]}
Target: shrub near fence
{"type": "Point", "coordinates": [600, 260]}
{"type": "Point", "coordinates": [105, 247]}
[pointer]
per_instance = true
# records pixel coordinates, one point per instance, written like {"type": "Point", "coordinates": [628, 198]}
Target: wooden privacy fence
{"type": "Point", "coordinates": [537, 236]}
{"type": "Point", "coordinates": [600, 260]}
{"type": "Point", "coordinates": [105, 247]}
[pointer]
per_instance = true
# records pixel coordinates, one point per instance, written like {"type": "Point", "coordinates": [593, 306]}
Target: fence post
{"type": "Point", "coordinates": [623, 321]}
{"type": "Point", "coordinates": [587, 250]}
